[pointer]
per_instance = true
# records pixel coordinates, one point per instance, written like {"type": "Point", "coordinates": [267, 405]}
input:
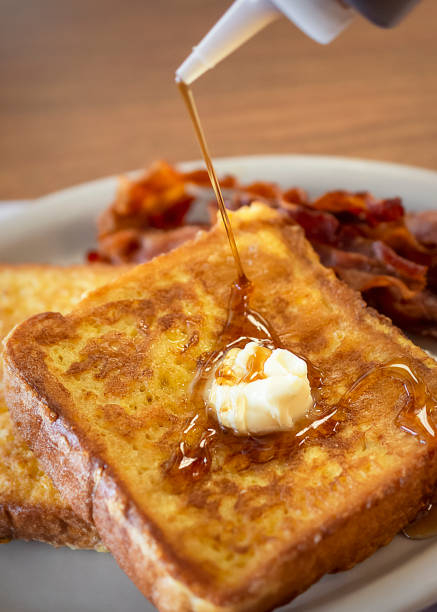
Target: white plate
{"type": "Point", "coordinates": [60, 228]}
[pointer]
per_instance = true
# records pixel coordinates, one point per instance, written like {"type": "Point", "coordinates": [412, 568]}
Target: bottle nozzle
{"type": "Point", "coordinates": [322, 20]}
{"type": "Point", "coordinates": [240, 22]}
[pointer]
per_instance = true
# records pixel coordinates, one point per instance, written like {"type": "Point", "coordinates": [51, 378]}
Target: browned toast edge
{"type": "Point", "coordinates": [55, 526]}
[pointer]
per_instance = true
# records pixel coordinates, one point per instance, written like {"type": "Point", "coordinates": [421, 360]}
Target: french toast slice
{"type": "Point", "coordinates": [103, 397]}
{"type": "Point", "coordinates": [30, 506]}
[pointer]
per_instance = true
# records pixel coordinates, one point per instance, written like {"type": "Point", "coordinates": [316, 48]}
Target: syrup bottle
{"type": "Point", "coordinates": [322, 20]}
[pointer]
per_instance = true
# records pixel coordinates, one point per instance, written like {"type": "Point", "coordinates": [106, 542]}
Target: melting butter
{"type": "Point", "coordinates": [257, 390]}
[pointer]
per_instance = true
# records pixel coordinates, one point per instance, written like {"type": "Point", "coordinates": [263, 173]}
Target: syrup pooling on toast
{"type": "Point", "coordinates": [203, 439]}
{"type": "Point", "coordinates": [205, 445]}
{"type": "Point", "coordinates": [417, 415]}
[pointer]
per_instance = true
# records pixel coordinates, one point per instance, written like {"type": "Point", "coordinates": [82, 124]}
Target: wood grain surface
{"type": "Point", "coordinates": [87, 90]}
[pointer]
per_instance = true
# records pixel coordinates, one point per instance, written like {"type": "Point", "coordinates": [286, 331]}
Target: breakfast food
{"type": "Point", "coordinates": [390, 257]}
{"type": "Point", "coordinates": [30, 506]}
{"type": "Point", "coordinates": [257, 390]}
{"type": "Point", "coordinates": [199, 518]}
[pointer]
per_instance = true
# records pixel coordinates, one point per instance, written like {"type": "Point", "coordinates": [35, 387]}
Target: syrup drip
{"type": "Point", "coordinates": [425, 526]}
{"type": "Point", "coordinates": [188, 98]}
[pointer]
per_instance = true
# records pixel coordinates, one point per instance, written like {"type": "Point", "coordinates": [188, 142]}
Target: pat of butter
{"type": "Point", "coordinates": [255, 390]}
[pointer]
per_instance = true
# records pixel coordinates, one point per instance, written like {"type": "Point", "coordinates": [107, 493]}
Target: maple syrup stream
{"type": "Point", "coordinates": [243, 325]}
{"type": "Point", "coordinates": [188, 98]}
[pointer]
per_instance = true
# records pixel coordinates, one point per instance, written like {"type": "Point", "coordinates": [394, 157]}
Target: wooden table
{"type": "Point", "coordinates": [87, 90]}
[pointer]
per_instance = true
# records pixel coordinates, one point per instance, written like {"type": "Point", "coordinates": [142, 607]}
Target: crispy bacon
{"type": "Point", "coordinates": [417, 314]}
{"type": "Point", "coordinates": [134, 246]}
{"type": "Point", "coordinates": [295, 195]}
{"type": "Point", "coordinates": [360, 207]}
{"type": "Point", "coordinates": [370, 243]}
{"type": "Point", "coordinates": [382, 265]}
{"type": "Point", "coordinates": [424, 227]}
{"type": "Point", "coordinates": [159, 199]}
{"type": "Point", "coordinates": [266, 191]}
{"type": "Point", "coordinates": [201, 178]}
{"type": "Point", "coordinates": [319, 226]}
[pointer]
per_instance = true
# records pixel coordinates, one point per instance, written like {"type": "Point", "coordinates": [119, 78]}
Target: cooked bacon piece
{"type": "Point", "coordinates": [266, 191]}
{"type": "Point", "coordinates": [134, 246]}
{"type": "Point", "coordinates": [379, 261]}
{"type": "Point", "coordinates": [409, 308]}
{"type": "Point", "coordinates": [295, 195]}
{"type": "Point", "coordinates": [412, 273]}
{"type": "Point", "coordinates": [417, 314]}
{"type": "Point", "coordinates": [93, 257]}
{"type": "Point", "coordinates": [319, 226]}
{"type": "Point", "coordinates": [121, 246]}
{"type": "Point", "coordinates": [423, 226]}
{"type": "Point", "coordinates": [361, 206]}
{"type": "Point", "coordinates": [380, 211]}
{"type": "Point", "coordinates": [159, 199]}
{"type": "Point", "coordinates": [201, 178]}
{"type": "Point", "coordinates": [369, 242]}
{"type": "Point", "coordinates": [399, 238]}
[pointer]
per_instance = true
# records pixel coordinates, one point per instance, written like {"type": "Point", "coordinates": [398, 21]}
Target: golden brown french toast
{"type": "Point", "coordinates": [103, 397]}
{"type": "Point", "coordinates": [30, 506]}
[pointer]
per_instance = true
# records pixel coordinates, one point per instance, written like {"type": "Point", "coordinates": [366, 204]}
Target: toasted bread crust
{"type": "Point", "coordinates": [42, 410]}
{"type": "Point", "coordinates": [55, 526]}
{"type": "Point", "coordinates": [30, 507]}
